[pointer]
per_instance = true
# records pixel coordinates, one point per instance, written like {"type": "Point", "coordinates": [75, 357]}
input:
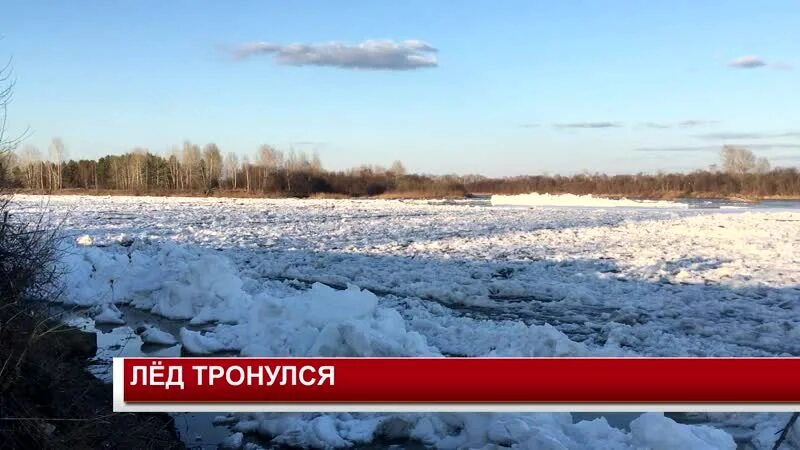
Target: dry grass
{"type": "Point", "coordinates": [47, 397]}
{"type": "Point", "coordinates": [329, 196]}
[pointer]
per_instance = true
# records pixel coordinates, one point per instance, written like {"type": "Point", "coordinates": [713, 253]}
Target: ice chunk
{"type": "Point", "coordinates": [535, 199]}
{"type": "Point", "coordinates": [153, 335]}
{"type": "Point", "coordinates": [328, 322]}
{"type": "Point", "coordinates": [109, 314]}
{"type": "Point", "coordinates": [233, 441]}
{"type": "Point", "coordinates": [199, 343]}
{"type": "Point", "coordinates": [653, 430]}
{"type": "Point", "coordinates": [84, 240]}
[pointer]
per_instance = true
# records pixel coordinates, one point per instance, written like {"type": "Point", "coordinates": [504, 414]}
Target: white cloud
{"type": "Point", "coordinates": [695, 123]}
{"type": "Point", "coordinates": [716, 148]}
{"type": "Point", "coordinates": [588, 125]}
{"type": "Point", "coordinates": [747, 62]}
{"type": "Point", "coordinates": [755, 62]}
{"type": "Point", "coordinates": [689, 123]}
{"type": "Point", "coordinates": [746, 135]}
{"type": "Point", "coordinates": [371, 54]}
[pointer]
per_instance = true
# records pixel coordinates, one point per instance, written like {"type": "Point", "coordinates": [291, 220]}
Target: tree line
{"type": "Point", "coordinates": [196, 169]}
{"type": "Point", "coordinates": [205, 170]}
{"type": "Point", "coordinates": [739, 174]}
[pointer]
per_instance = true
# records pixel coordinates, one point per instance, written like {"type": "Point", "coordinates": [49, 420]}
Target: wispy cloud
{"type": "Point", "coordinates": [771, 146]}
{"type": "Point", "coordinates": [747, 62]}
{"type": "Point", "coordinates": [715, 148]}
{"type": "Point", "coordinates": [656, 125]}
{"type": "Point", "coordinates": [371, 55]}
{"type": "Point", "coordinates": [795, 157]}
{"type": "Point", "coordinates": [690, 123]}
{"type": "Point", "coordinates": [701, 148]}
{"type": "Point", "coordinates": [696, 123]}
{"type": "Point", "coordinates": [755, 62]}
{"type": "Point", "coordinates": [749, 135]}
{"type": "Point", "coordinates": [530, 125]}
{"type": "Point", "coordinates": [588, 125]}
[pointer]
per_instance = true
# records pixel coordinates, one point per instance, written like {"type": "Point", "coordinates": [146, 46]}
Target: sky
{"type": "Point", "coordinates": [498, 88]}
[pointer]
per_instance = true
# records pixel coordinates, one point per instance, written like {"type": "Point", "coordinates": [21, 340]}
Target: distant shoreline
{"type": "Point", "coordinates": [672, 196]}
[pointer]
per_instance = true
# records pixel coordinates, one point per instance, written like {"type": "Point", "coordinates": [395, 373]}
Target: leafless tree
{"type": "Point", "coordinates": [29, 161]}
{"type": "Point", "coordinates": [56, 157]}
{"type": "Point", "coordinates": [268, 160]}
{"type": "Point", "coordinates": [316, 164]}
{"type": "Point", "coordinates": [737, 160]}
{"type": "Point", "coordinates": [190, 161]}
{"type": "Point", "coordinates": [762, 166]}
{"type": "Point", "coordinates": [7, 143]}
{"type": "Point", "coordinates": [212, 158]}
{"type": "Point", "coordinates": [231, 168]}
{"type": "Point", "coordinates": [397, 169]}
{"type": "Point", "coordinates": [246, 168]}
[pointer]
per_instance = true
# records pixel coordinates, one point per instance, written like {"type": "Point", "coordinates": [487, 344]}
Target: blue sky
{"type": "Point", "coordinates": [514, 87]}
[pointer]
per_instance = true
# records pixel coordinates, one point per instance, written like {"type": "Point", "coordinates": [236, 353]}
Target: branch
{"type": "Point", "coordinates": [785, 431]}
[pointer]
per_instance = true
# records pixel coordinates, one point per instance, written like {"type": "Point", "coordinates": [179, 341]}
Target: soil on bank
{"type": "Point", "coordinates": [49, 400]}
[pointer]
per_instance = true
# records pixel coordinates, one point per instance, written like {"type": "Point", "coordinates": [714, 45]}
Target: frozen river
{"type": "Point", "coordinates": [392, 278]}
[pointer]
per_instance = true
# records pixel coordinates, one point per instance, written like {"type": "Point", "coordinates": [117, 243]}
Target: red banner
{"type": "Point", "coordinates": [458, 380]}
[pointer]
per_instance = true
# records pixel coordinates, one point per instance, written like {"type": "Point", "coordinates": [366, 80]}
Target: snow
{"type": "Point", "coordinates": [535, 199]}
{"type": "Point", "coordinates": [485, 430]}
{"type": "Point", "coordinates": [653, 430]}
{"type": "Point", "coordinates": [109, 314]}
{"type": "Point", "coordinates": [319, 322]}
{"type": "Point", "coordinates": [392, 278]}
{"type": "Point", "coordinates": [233, 441]}
{"type": "Point", "coordinates": [152, 335]}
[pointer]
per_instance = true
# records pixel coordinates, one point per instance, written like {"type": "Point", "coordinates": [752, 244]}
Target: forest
{"type": "Point", "coordinates": [197, 170]}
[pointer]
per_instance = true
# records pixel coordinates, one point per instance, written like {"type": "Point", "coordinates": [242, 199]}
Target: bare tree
{"type": "Point", "coordinates": [213, 164]}
{"type": "Point", "coordinates": [173, 165]}
{"type": "Point", "coordinates": [7, 144]}
{"type": "Point", "coordinates": [137, 168]}
{"type": "Point", "coordinates": [231, 168]}
{"type": "Point", "coordinates": [737, 160]}
{"type": "Point", "coordinates": [762, 165]}
{"type": "Point", "coordinates": [246, 168]}
{"type": "Point", "coordinates": [316, 164]}
{"type": "Point", "coordinates": [56, 156]}
{"type": "Point", "coordinates": [268, 160]}
{"type": "Point", "coordinates": [190, 160]}
{"type": "Point", "coordinates": [29, 161]}
{"type": "Point", "coordinates": [397, 169]}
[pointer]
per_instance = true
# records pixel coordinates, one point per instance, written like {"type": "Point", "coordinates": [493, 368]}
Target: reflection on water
{"type": "Point", "coordinates": [196, 430]}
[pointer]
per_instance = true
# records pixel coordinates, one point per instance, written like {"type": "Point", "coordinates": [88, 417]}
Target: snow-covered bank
{"type": "Point", "coordinates": [415, 278]}
{"type": "Point", "coordinates": [536, 199]}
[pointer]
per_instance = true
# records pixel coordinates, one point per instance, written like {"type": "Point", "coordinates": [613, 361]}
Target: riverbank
{"type": "Point", "coordinates": [411, 195]}
{"type": "Point", "coordinates": [50, 400]}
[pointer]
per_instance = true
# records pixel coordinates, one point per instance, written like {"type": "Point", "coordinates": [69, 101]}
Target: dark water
{"type": "Point", "coordinates": [196, 430]}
